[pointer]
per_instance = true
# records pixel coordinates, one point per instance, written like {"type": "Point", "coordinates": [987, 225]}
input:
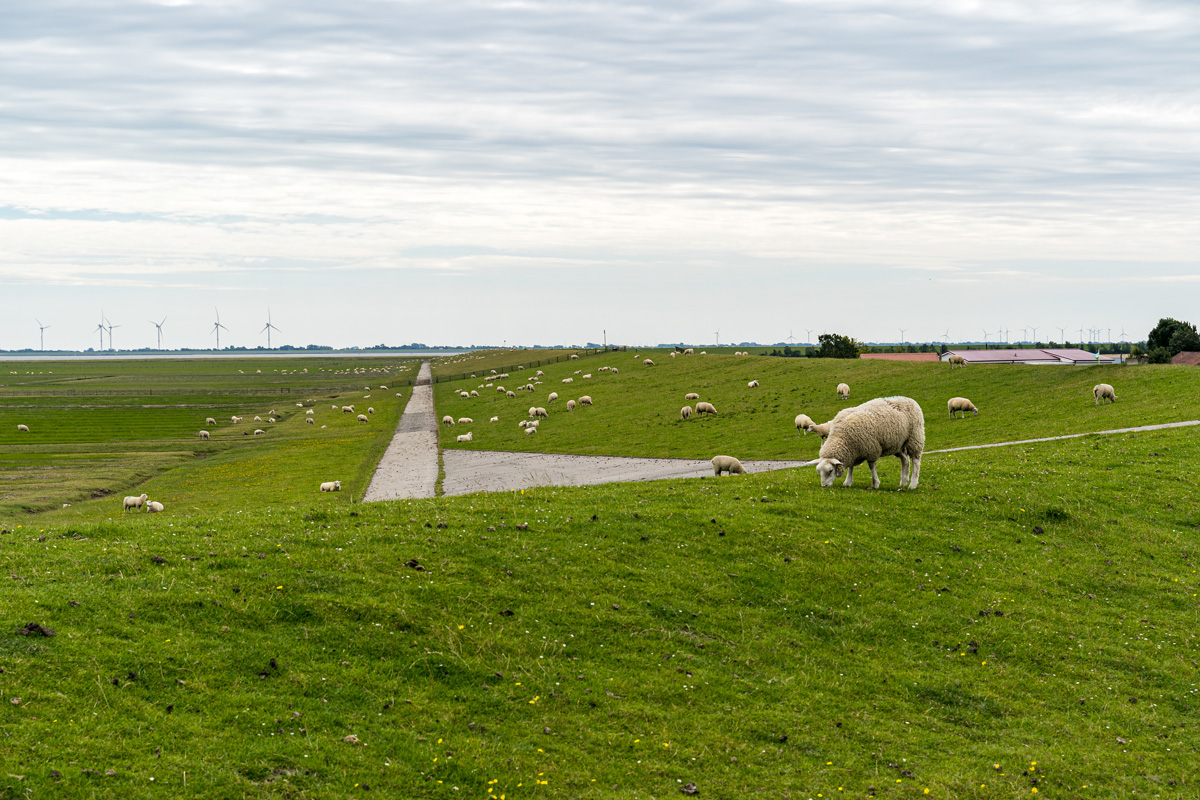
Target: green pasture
{"type": "Point", "coordinates": [637, 411]}
{"type": "Point", "coordinates": [99, 430]}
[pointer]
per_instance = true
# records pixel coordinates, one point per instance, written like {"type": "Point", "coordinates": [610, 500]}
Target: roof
{"type": "Point", "coordinates": [901, 356]}
{"type": "Point", "coordinates": [1058, 355]}
{"type": "Point", "coordinates": [1187, 359]}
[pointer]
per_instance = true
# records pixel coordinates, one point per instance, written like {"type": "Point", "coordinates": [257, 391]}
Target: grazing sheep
{"type": "Point", "coordinates": [494, 419]}
{"type": "Point", "coordinates": [331, 486]}
{"type": "Point", "coordinates": [586, 400]}
{"type": "Point", "coordinates": [888, 426]}
{"type": "Point", "coordinates": [134, 502]}
{"type": "Point", "coordinates": [539, 374]}
{"type": "Point", "coordinates": [568, 380]}
{"type": "Point", "coordinates": [500, 389]}
{"type": "Point", "coordinates": [464, 395]}
{"type": "Point", "coordinates": [530, 430]}
{"type": "Point", "coordinates": [363, 418]}
{"type": "Point", "coordinates": [310, 420]}
{"type": "Point", "coordinates": [347, 409]}
{"type": "Point", "coordinates": [258, 432]}
{"type": "Point", "coordinates": [153, 506]}
{"type": "Point", "coordinates": [533, 411]}
{"type": "Point", "coordinates": [727, 464]}
{"type": "Point", "coordinates": [235, 420]}
{"type": "Point", "coordinates": [956, 361]}
{"type": "Point", "coordinates": [523, 423]}
{"type": "Point", "coordinates": [464, 437]}
{"type": "Point", "coordinates": [578, 371]}
{"type": "Point", "coordinates": [204, 435]}
{"type": "Point", "coordinates": [510, 395]}
{"type": "Point", "coordinates": [209, 421]}
{"type": "Point", "coordinates": [465, 420]}
{"type": "Point", "coordinates": [533, 423]}
{"type": "Point", "coordinates": [384, 388]}
{"type": "Point", "coordinates": [570, 405]}
{"type": "Point", "coordinates": [309, 412]}
{"type": "Point", "coordinates": [448, 420]}
{"type": "Point", "coordinates": [673, 355]}
{"type": "Point", "coordinates": [258, 419]}
{"type": "Point", "coordinates": [553, 397]}
{"type": "Point", "coordinates": [1102, 392]}
{"type": "Point", "coordinates": [962, 404]}
{"type": "Point", "coordinates": [335, 408]}
{"type": "Point", "coordinates": [843, 391]}
{"type": "Point", "coordinates": [705, 408]}
{"type": "Point", "coordinates": [689, 352]}
{"type": "Point", "coordinates": [474, 393]}
{"type": "Point", "coordinates": [752, 384]}
{"type": "Point", "coordinates": [270, 419]}
{"type": "Point", "coordinates": [574, 357]}
{"type": "Point", "coordinates": [614, 370]}
{"type": "Point", "coordinates": [647, 363]}
{"type": "Point", "coordinates": [691, 396]}
{"type": "Point", "coordinates": [685, 412]}
{"type": "Point", "coordinates": [23, 428]}
{"type": "Point", "coordinates": [804, 423]}
{"type": "Point", "coordinates": [542, 412]}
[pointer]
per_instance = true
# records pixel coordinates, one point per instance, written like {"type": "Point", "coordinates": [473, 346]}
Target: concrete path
{"type": "Point", "coordinates": [409, 468]}
{"type": "Point", "coordinates": [1139, 429]}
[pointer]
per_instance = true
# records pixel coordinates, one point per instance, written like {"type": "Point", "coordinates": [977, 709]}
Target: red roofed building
{"type": "Point", "coordinates": [1065, 355]}
{"type": "Point", "coordinates": [1187, 359]}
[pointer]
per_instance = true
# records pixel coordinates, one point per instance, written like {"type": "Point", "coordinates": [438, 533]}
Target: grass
{"type": "Point", "coordinates": [636, 412]}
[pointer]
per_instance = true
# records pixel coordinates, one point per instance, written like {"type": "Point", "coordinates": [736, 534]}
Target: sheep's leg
{"type": "Point", "coordinates": [916, 472]}
{"type": "Point", "coordinates": [874, 475]}
{"type": "Point", "coordinates": [904, 462]}
{"type": "Point", "coordinates": [849, 477]}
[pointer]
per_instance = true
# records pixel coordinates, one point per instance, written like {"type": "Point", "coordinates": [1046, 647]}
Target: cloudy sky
{"type": "Point", "coordinates": [542, 172]}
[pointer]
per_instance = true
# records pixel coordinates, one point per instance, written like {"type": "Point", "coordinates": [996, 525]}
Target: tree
{"type": "Point", "coordinates": [835, 345]}
{"type": "Point", "coordinates": [1170, 337]}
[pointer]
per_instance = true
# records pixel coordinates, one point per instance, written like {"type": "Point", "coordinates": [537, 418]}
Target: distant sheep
{"type": "Point", "coordinates": [494, 419]}
{"type": "Point", "coordinates": [843, 391]}
{"type": "Point", "coordinates": [331, 486]}
{"type": "Point", "coordinates": [588, 375]}
{"type": "Point", "coordinates": [235, 420]}
{"type": "Point", "coordinates": [347, 409]}
{"type": "Point", "coordinates": [153, 506]}
{"type": "Point", "coordinates": [539, 374]}
{"type": "Point", "coordinates": [804, 423]}
{"type": "Point", "coordinates": [574, 357]}
{"type": "Point", "coordinates": [956, 404]}
{"type": "Point", "coordinates": [586, 400]}
{"type": "Point", "coordinates": [530, 430]}
{"type": "Point", "coordinates": [310, 420]}
{"type": "Point", "coordinates": [553, 397]}
{"type": "Point", "coordinates": [309, 412]}
{"type": "Point", "coordinates": [1102, 392]}
{"type": "Point", "coordinates": [568, 380]}
{"type": "Point", "coordinates": [542, 413]}
{"type": "Point", "coordinates": [685, 412]}
{"type": "Point", "coordinates": [258, 419]}
{"type": "Point", "coordinates": [510, 395]}
{"type": "Point", "coordinates": [752, 384]}
{"type": "Point", "coordinates": [473, 393]}
{"type": "Point", "coordinates": [648, 363]}
{"type": "Point", "coordinates": [956, 361]}
{"type": "Point", "coordinates": [464, 395]}
{"type": "Point", "coordinates": [689, 352]}
{"type": "Point", "coordinates": [134, 502]}
{"type": "Point", "coordinates": [465, 420]}
{"type": "Point", "coordinates": [523, 423]}
{"type": "Point", "coordinates": [448, 420]}
{"type": "Point", "coordinates": [533, 423]}
{"type": "Point", "coordinates": [258, 432]}
{"type": "Point", "coordinates": [888, 426]}
{"type": "Point", "coordinates": [727, 464]}
{"type": "Point", "coordinates": [464, 437]}
{"type": "Point", "coordinates": [204, 435]}
{"type": "Point", "coordinates": [705, 408]}
{"type": "Point", "coordinates": [673, 354]}
{"type": "Point", "coordinates": [210, 421]}
{"type": "Point", "coordinates": [570, 405]}
{"type": "Point", "coordinates": [363, 418]}
{"type": "Point", "coordinates": [691, 396]}
{"type": "Point", "coordinates": [23, 428]}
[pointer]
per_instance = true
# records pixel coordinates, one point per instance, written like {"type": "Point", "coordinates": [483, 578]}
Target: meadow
{"type": "Point", "coordinates": [1024, 624]}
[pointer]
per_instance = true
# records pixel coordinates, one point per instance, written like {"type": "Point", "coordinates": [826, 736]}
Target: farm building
{"type": "Point", "coordinates": [1066, 355]}
{"type": "Point", "coordinates": [1186, 358]}
{"type": "Point", "coordinates": [901, 356]}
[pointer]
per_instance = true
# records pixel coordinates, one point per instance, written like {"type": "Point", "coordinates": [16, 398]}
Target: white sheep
{"type": "Point", "coordinates": [727, 464]}
{"type": "Point", "coordinates": [235, 420]}
{"type": "Point", "coordinates": [578, 371]}
{"type": "Point", "coordinates": [689, 351]}
{"type": "Point", "coordinates": [574, 357]}
{"type": "Point", "coordinates": [270, 419]}
{"type": "Point", "coordinates": [448, 420]}
{"type": "Point", "coordinates": [804, 423]}
{"type": "Point", "coordinates": [530, 430]}
{"type": "Point", "coordinates": [553, 397]}
{"type": "Point", "coordinates": [153, 506]}
{"type": "Point", "coordinates": [542, 412]}
{"type": "Point", "coordinates": [673, 354]}
{"type": "Point", "coordinates": [691, 396]}
{"type": "Point", "coordinates": [335, 408]}
{"type": "Point", "coordinates": [1102, 392]}
{"type": "Point", "coordinates": [587, 375]}
{"type": "Point", "coordinates": [134, 502]}
{"type": "Point", "coordinates": [843, 391]}
{"type": "Point", "coordinates": [539, 374]}
{"type": "Point", "coordinates": [347, 409]}
{"type": "Point", "coordinates": [956, 361]}
{"type": "Point", "coordinates": [752, 384]}
{"type": "Point", "coordinates": [586, 400]}
{"type": "Point", "coordinates": [465, 437]}
{"type": "Point", "coordinates": [614, 370]}
{"type": "Point", "coordinates": [474, 393]}
{"type": "Point", "coordinates": [363, 418]}
{"type": "Point", "coordinates": [23, 428]}
{"type": "Point", "coordinates": [204, 435]}
{"type": "Point", "coordinates": [532, 412]}
{"type": "Point", "coordinates": [647, 363]}
{"type": "Point", "coordinates": [464, 395]}
{"type": "Point", "coordinates": [384, 388]}
{"type": "Point", "coordinates": [705, 408]}
{"type": "Point", "coordinates": [259, 431]}
{"type": "Point", "coordinates": [465, 420]}
{"type": "Point", "coordinates": [310, 420]}
{"type": "Point", "coordinates": [510, 395]}
{"type": "Point", "coordinates": [955, 404]}
{"type": "Point", "coordinates": [570, 405]}
{"type": "Point", "coordinates": [209, 421]}
{"type": "Point", "coordinates": [309, 412]}
{"type": "Point", "coordinates": [533, 423]}
{"type": "Point", "coordinates": [523, 423]}
{"type": "Point", "coordinates": [568, 380]}
{"type": "Point", "coordinates": [258, 419]}
{"type": "Point", "coordinates": [494, 419]}
{"type": "Point", "coordinates": [888, 426]}
{"type": "Point", "coordinates": [331, 486]}
{"type": "Point", "coordinates": [685, 412]}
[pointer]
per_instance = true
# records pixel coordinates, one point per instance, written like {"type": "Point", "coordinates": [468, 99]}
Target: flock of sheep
{"type": "Point", "coordinates": [536, 413]}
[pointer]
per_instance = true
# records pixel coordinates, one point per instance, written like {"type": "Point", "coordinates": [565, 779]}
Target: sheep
{"type": "Point", "coordinates": [494, 419]}
{"type": "Point", "coordinates": [553, 397]}
{"type": "Point", "coordinates": [335, 408]}
{"type": "Point", "coordinates": [309, 412]}
{"type": "Point", "coordinates": [685, 412]}
{"type": "Point", "coordinates": [510, 395]}
{"type": "Point", "coordinates": [843, 391]}
{"type": "Point", "coordinates": [204, 435]}
{"type": "Point", "coordinates": [539, 374]}
{"type": "Point", "coordinates": [383, 388]}
{"type": "Point", "coordinates": [804, 423]}
{"type": "Point", "coordinates": [258, 432]}
{"type": "Point", "coordinates": [570, 405]}
{"type": "Point", "coordinates": [962, 404]}
{"type": "Point", "coordinates": [270, 419]}
{"type": "Point", "coordinates": [614, 370]}
{"type": "Point", "coordinates": [647, 363]}
{"type": "Point", "coordinates": [705, 408]}
{"type": "Point", "coordinates": [465, 395]}
{"type": "Point", "coordinates": [727, 464]}
{"type": "Point", "coordinates": [23, 428]}
{"type": "Point", "coordinates": [363, 418]}
{"type": "Point", "coordinates": [258, 419]}
{"type": "Point", "coordinates": [691, 396]}
{"type": "Point", "coordinates": [134, 502]}
{"type": "Point", "coordinates": [578, 371]}
{"type": "Point", "coordinates": [568, 380]}
{"type": "Point", "coordinates": [465, 420]}
{"type": "Point", "coordinates": [448, 420]}
{"type": "Point", "coordinates": [209, 421]}
{"type": "Point", "coordinates": [500, 390]}
{"type": "Point", "coordinates": [533, 411]}
{"type": "Point", "coordinates": [673, 355]}
{"type": "Point", "coordinates": [473, 393]}
{"type": "Point", "coordinates": [523, 423]}
{"type": "Point", "coordinates": [331, 486]}
{"type": "Point", "coordinates": [533, 423]}
{"type": "Point", "coordinates": [465, 437]}
{"type": "Point", "coordinates": [347, 409]}
{"type": "Point", "coordinates": [542, 412]}
{"type": "Point", "coordinates": [273, 413]}
{"type": "Point", "coordinates": [956, 361]}
{"type": "Point", "coordinates": [888, 426]}
{"type": "Point", "coordinates": [530, 430]}
{"type": "Point", "coordinates": [310, 420]}
{"type": "Point", "coordinates": [703, 352]}
{"type": "Point", "coordinates": [689, 352]}
{"type": "Point", "coordinates": [1102, 392]}
{"type": "Point", "coordinates": [153, 506]}
{"type": "Point", "coordinates": [588, 375]}
{"type": "Point", "coordinates": [574, 357]}
{"type": "Point", "coordinates": [235, 420]}
{"type": "Point", "coordinates": [752, 384]}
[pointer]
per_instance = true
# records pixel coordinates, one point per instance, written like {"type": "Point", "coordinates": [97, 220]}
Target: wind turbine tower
{"type": "Point", "coordinates": [42, 332]}
{"type": "Point", "coordinates": [268, 328]}
{"type": "Point", "coordinates": [110, 330]}
{"type": "Point", "coordinates": [159, 326]}
{"type": "Point", "coordinates": [217, 326]}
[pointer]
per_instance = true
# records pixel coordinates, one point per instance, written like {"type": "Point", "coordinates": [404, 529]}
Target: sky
{"type": "Point", "coordinates": [528, 173]}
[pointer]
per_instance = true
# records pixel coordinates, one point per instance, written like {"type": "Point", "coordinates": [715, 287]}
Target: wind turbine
{"type": "Point", "coordinates": [1123, 333]}
{"type": "Point", "coordinates": [902, 330]}
{"type": "Point", "coordinates": [100, 328]}
{"type": "Point", "coordinates": [268, 328]}
{"type": "Point", "coordinates": [159, 326]}
{"type": "Point", "coordinates": [1035, 339]}
{"type": "Point", "coordinates": [1062, 335]}
{"type": "Point", "coordinates": [110, 330]}
{"type": "Point", "coordinates": [985, 335]}
{"type": "Point", "coordinates": [42, 332]}
{"type": "Point", "coordinates": [1081, 337]}
{"type": "Point", "coordinates": [217, 326]}
{"type": "Point", "coordinates": [791, 339]}
{"type": "Point", "coordinates": [946, 336]}
{"type": "Point", "coordinates": [808, 334]}
{"type": "Point", "coordinates": [718, 335]}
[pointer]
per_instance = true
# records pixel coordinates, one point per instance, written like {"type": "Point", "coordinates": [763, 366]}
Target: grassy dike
{"type": "Point", "coordinates": [1025, 620]}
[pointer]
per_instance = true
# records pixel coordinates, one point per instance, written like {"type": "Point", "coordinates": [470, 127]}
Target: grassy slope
{"type": "Point", "coordinates": [756, 635]}
{"type": "Point", "coordinates": [636, 412]}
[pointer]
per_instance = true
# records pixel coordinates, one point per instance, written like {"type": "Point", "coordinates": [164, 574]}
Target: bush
{"type": "Point", "coordinates": [834, 345]}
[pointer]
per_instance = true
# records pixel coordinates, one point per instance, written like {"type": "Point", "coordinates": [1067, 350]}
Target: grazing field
{"type": "Point", "coordinates": [637, 411]}
{"type": "Point", "coordinates": [103, 429]}
{"type": "Point", "coordinates": [1026, 620]}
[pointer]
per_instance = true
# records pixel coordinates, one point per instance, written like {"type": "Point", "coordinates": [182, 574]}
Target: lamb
{"type": "Point", "coordinates": [685, 412]}
{"type": "Point", "coordinates": [347, 409]}
{"type": "Point", "coordinates": [523, 423]}
{"type": "Point", "coordinates": [962, 404]}
{"type": "Point", "coordinates": [533, 411]}
{"type": "Point", "coordinates": [309, 412]}
{"type": "Point", "coordinates": [956, 361]}
{"type": "Point", "coordinates": [153, 506]}
{"type": "Point", "coordinates": [494, 419]}
{"type": "Point", "coordinates": [647, 363]}
{"type": "Point", "coordinates": [474, 393]}
{"type": "Point", "coordinates": [465, 420]}
{"type": "Point", "coordinates": [24, 428]}
{"type": "Point", "coordinates": [570, 405]}
{"type": "Point", "coordinates": [464, 437]}
{"type": "Point", "coordinates": [587, 375]}
{"type": "Point", "coordinates": [1102, 392]}
{"type": "Point", "coordinates": [888, 426]}
{"type": "Point", "coordinates": [363, 418]}
{"type": "Point", "coordinates": [539, 374]}
{"type": "Point", "coordinates": [448, 420]}
{"type": "Point", "coordinates": [134, 502]}
{"type": "Point", "coordinates": [752, 384]}
{"type": "Point", "coordinates": [204, 435]}
{"type": "Point", "coordinates": [310, 420]}
{"type": "Point", "coordinates": [209, 421]}
{"type": "Point", "coordinates": [258, 432]}
{"type": "Point", "coordinates": [843, 391]}
{"type": "Point", "coordinates": [705, 408]}
{"type": "Point", "coordinates": [614, 370]}
{"type": "Point", "coordinates": [689, 352]}
{"type": "Point", "coordinates": [533, 423]}
{"type": "Point", "coordinates": [542, 412]}
{"type": "Point", "coordinates": [673, 354]}
{"type": "Point", "coordinates": [574, 357]}
{"type": "Point", "coordinates": [510, 395]}
{"type": "Point", "coordinates": [553, 397]}
{"type": "Point", "coordinates": [586, 400]}
{"type": "Point", "coordinates": [804, 423]}
{"type": "Point", "coordinates": [568, 380]}
{"type": "Point", "coordinates": [727, 464]}
{"type": "Point", "coordinates": [331, 486]}
{"type": "Point", "coordinates": [691, 396]}
{"type": "Point", "coordinates": [530, 430]}
{"type": "Point", "coordinates": [464, 395]}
